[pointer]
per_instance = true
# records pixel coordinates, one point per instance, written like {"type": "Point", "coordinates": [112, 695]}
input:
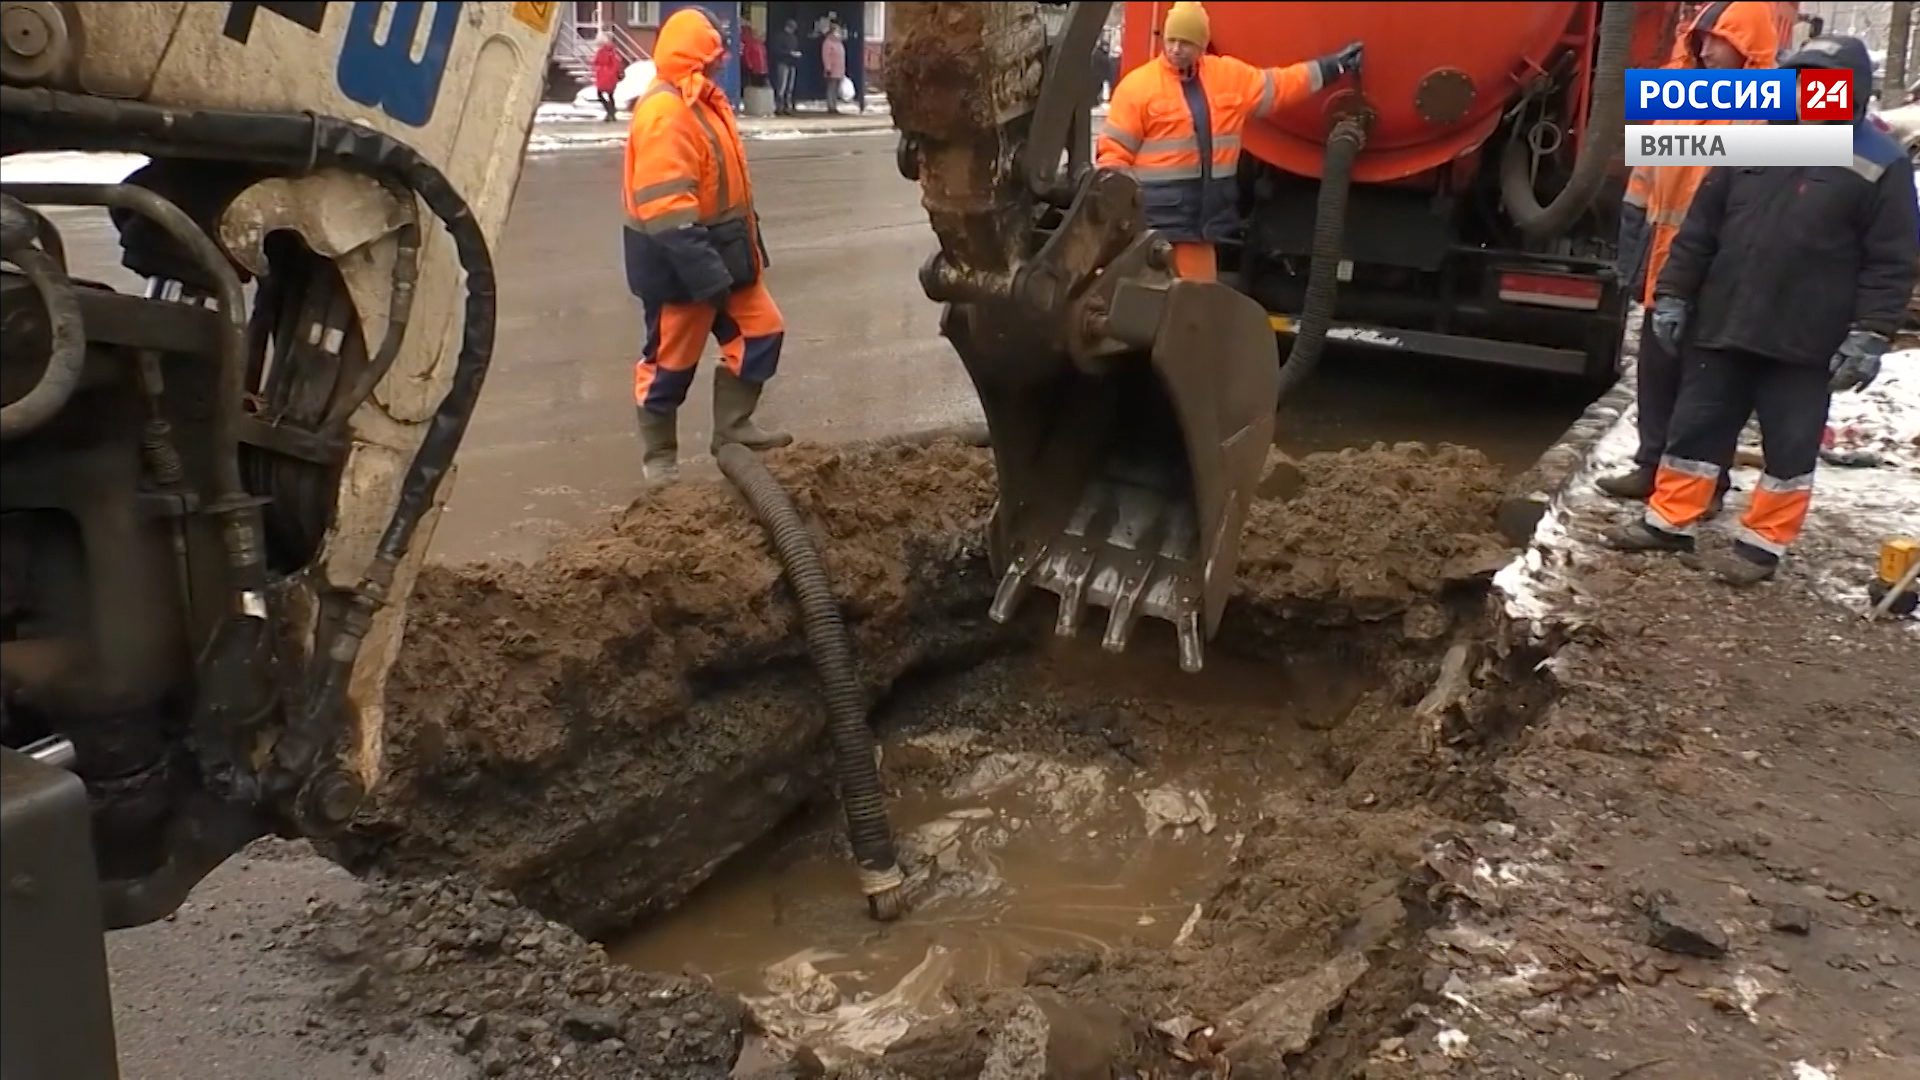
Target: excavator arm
{"type": "Point", "coordinates": [1129, 412]}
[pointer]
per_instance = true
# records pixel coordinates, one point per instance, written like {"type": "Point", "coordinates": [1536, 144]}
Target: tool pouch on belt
{"type": "Point", "coordinates": [733, 240]}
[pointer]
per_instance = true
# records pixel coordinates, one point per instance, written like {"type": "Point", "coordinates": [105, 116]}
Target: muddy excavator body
{"type": "Point", "coordinates": [1129, 411]}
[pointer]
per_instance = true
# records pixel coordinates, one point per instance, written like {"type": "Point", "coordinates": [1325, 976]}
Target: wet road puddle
{"type": "Point", "coordinates": [1021, 856]}
{"type": "Point", "coordinates": [1015, 847]}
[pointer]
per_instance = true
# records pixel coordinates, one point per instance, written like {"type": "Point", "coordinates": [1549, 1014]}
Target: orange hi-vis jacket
{"type": "Point", "coordinates": [691, 233]}
{"type": "Point", "coordinates": [1667, 191]}
{"type": "Point", "coordinates": [1153, 127]}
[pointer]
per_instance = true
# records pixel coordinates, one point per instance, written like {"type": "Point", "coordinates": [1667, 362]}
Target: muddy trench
{"type": "Point", "coordinates": [609, 842]}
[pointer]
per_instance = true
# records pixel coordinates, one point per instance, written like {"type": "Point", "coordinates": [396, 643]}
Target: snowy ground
{"type": "Point", "coordinates": [1867, 490]}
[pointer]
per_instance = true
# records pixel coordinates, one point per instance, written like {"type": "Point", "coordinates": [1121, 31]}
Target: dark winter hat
{"type": "Point", "coordinates": [1837, 52]}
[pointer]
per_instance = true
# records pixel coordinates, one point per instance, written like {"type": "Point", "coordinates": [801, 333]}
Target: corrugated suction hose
{"type": "Point", "coordinates": [1600, 140]}
{"type": "Point", "coordinates": [831, 648]}
{"type": "Point", "coordinates": [1344, 144]}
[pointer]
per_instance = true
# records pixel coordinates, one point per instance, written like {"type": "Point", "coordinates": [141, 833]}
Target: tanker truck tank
{"type": "Point", "coordinates": [1483, 206]}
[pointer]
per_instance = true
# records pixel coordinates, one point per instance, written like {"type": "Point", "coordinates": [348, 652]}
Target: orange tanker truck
{"type": "Point", "coordinates": [1461, 198]}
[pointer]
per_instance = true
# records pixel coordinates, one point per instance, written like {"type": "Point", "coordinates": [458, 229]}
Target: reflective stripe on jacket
{"type": "Point", "coordinates": [1180, 137]}
{"type": "Point", "coordinates": [689, 200]}
{"type": "Point", "coordinates": [1749, 26]}
{"type": "Point", "coordinates": [1783, 262]}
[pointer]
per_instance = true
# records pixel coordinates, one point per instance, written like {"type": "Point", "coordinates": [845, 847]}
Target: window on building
{"type": "Point", "coordinates": [639, 14]}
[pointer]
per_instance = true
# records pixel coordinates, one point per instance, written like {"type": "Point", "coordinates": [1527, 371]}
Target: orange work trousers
{"type": "Point", "coordinates": [1720, 390]}
{"type": "Point", "coordinates": [1195, 262]}
{"type": "Point", "coordinates": [747, 324]}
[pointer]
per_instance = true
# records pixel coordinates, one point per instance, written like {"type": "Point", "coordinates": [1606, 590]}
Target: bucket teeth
{"type": "Point", "coordinates": [1124, 614]}
{"type": "Point", "coordinates": [1013, 588]}
{"type": "Point", "coordinates": [1126, 548]}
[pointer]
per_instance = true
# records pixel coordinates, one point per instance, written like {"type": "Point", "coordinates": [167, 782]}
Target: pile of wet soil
{"type": "Point", "coordinates": [1370, 531]}
{"type": "Point", "coordinates": [452, 959]}
{"type": "Point", "coordinates": [644, 690]}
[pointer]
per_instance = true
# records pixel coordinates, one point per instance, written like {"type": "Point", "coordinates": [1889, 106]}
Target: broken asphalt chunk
{"type": "Point", "coordinates": [1675, 929]}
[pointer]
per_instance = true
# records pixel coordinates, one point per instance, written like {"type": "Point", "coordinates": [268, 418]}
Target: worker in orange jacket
{"type": "Point", "coordinates": [694, 255]}
{"type": "Point", "coordinates": [1175, 123]}
{"type": "Point", "coordinates": [1722, 36]}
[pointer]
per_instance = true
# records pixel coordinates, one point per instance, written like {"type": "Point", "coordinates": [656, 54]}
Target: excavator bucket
{"type": "Point", "coordinates": [1130, 412]}
{"type": "Point", "coordinates": [1125, 480]}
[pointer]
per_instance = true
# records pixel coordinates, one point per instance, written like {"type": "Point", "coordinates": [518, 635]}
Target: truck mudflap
{"type": "Point", "coordinates": [1125, 471]}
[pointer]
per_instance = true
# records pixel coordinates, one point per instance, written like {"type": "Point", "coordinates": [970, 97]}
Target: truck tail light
{"type": "Point", "coordinates": [1566, 291]}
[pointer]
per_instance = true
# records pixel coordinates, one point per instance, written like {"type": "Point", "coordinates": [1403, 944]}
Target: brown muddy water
{"type": "Point", "coordinates": [1067, 802]}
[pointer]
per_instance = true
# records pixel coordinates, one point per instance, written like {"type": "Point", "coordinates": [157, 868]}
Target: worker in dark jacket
{"type": "Point", "coordinates": [785, 50]}
{"type": "Point", "coordinates": [1784, 285]}
{"type": "Point", "coordinates": [1723, 37]}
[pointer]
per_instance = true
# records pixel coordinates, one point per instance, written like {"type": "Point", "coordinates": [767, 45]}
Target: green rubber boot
{"type": "Point", "coordinates": [659, 446]}
{"type": "Point", "coordinates": [734, 401]}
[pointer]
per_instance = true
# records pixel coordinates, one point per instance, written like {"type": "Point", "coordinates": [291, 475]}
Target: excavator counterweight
{"type": "Point", "coordinates": [1129, 412]}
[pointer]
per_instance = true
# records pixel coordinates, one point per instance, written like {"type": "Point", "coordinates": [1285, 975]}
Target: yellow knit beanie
{"type": "Point", "coordinates": [1187, 21]}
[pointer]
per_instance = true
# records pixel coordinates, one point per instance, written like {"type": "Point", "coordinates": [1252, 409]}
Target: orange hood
{"type": "Point", "coordinates": [688, 42]}
{"type": "Point", "coordinates": [1748, 25]}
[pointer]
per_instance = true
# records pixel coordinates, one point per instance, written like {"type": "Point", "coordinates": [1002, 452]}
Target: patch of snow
{"type": "Point", "coordinates": [1453, 1042]}
{"type": "Point", "coordinates": [638, 76]}
{"type": "Point", "coordinates": [784, 134]}
{"type": "Point", "coordinates": [1364, 336]}
{"type": "Point", "coordinates": [549, 138]}
{"type": "Point", "coordinates": [547, 141]}
{"type": "Point", "coordinates": [568, 112]}
{"type": "Point", "coordinates": [1804, 1071]}
{"type": "Point", "coordinates": [69, 167]}
{"type": "Point", "coordinates": [1854, 509]}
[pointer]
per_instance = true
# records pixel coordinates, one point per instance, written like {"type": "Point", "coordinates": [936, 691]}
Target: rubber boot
{"type": "Point", "coordinates": [659, 446]}
{"type": "Point", "coordinates": [1741, 567]}
{"type": "Point", "coordinates": [1641, 536]}
{"type": "Point", "coordinates": [1636, 485]}
{"type": "Point", "coordinates": [734, 401]}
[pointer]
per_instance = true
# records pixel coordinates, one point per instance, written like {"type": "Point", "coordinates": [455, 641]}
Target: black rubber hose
{"type": "Point", "coordinates": [1600, 140]}
{"type": "Point", "coordinates": [1344, 144]}
{"type": "Point", "coordinates": [68, 358]}
{"type": "Point", "coordinates": [831, 648]}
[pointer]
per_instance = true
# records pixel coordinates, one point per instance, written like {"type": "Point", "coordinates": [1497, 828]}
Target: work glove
{"type": "Point", "coordinates": [1669, 321]}
{"type": "Point", "coordinates": [1857, 362]}
{"type": "Point", "coordinates": [1344, 62]}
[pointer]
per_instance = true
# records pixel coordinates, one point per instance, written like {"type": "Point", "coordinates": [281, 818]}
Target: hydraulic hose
{"type": "Point", "coordinates": [1600, 140]}
{"type": "Point", "coordinates": [1344, 144]}
{"type": "Point", "coordinates": [832, 651]}
{"type": "Point", "coordinates": [301, 143]}
{"type": "Point", "coordinates": [68, 357]}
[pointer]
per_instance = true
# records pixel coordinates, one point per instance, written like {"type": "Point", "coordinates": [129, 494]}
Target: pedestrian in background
{"type": "Point", "coordinates": [1785, 285]}
{"type": "Point", "coordinates": [753, 57]}
{"type": "Point", "coordinates": [608, 66]}
{"type": "Point", "coordinates": [694, 255]}
{"type": "Point", "coordinates": [786, 66]}
{"type": "Point", "coordinates": [1175, 125]}
{"type": "Point", "coordinates": [1722, 37]}
{"type": "Point", "coordinates": [833, 63]}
